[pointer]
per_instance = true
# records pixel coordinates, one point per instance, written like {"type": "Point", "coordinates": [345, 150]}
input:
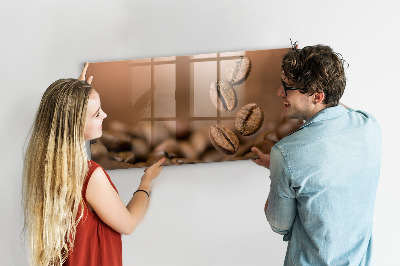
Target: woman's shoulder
{"type": "Point", "coordinates": [93, 164]}
{"type": "Point", "coordinates": [98, 172]}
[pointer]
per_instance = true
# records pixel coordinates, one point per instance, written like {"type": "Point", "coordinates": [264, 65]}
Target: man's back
{"type": "Point", "coordinates": [328, 172]}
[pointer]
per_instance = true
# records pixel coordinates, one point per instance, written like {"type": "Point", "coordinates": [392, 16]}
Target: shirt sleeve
{"type": "Point", "coordinates": [281, 210]}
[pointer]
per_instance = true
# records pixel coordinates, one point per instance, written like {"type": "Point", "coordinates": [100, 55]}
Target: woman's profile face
{"type": "Point", "coordinates": [94, 117]}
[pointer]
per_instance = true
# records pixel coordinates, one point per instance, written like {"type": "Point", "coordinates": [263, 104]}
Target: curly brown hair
{"type": "Point", "coordinates": [316, 69]}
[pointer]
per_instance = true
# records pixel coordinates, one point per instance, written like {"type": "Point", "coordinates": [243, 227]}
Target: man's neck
{"type": "Point", "coordinates": [318, 108]}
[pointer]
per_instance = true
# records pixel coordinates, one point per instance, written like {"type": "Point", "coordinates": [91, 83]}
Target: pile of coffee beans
{"type": "Point", "coordinates": [123, 146]}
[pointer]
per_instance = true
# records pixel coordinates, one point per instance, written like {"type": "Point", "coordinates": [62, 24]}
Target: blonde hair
{"type": "Point", "coordinates": [55, 167]}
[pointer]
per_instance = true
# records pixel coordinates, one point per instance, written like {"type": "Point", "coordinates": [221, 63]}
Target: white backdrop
{"type": "Point", "coordinates": [208, 214]}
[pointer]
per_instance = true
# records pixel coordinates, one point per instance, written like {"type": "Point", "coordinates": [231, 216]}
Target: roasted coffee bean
{"type": "Point", "coordinates": [139, 165]}
{"type": "Point", "coordinates": [187, 150]}
{"type": "Point", "coordinates": [223, 96]}
{"type": "Point", "coordinates": [111, 164]}
{"type": "Point", "coordinates": [97, 151]}
{"type": "Point", "coordinates": [249, 119]}
{"type": "Point", "coordinates": [179, 128]}
{"type": "Point", "coordinates": [115, 140]}
{"type": "Point", "coordinates": [123, 156]}
{"type": "Point", "coordinates": [238, 70]}
{"type": "Point", "coordinates": [199, 141]}
{"type": "Point", "coordinates": [178, 161]}
{"type": "Point", "coordinates": [160, 133]}
{"type": "Point", "coordinates": [169, 146]}
{"type": "Point", "coordinates": [140, 148]}
{"type": "Point", "coordinates": [224, 139]}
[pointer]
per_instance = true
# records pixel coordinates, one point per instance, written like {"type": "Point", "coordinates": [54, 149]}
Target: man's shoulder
{"type": "Point", "coordinates": [350, 123]}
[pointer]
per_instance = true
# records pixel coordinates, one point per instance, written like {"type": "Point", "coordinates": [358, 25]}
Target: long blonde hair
{"type": "Point", "coordinates": [55, 167]}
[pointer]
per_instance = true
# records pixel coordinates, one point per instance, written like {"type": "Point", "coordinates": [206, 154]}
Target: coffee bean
{"type": "Point", "coordinates": [238, 70]}
{"type": "Point", "coordinates": [169, 146]}
{"type": "Point", "coordinates": [108, 164]}
{"type": "Point", "coordinates": [224, 139]}
{"type": "Point", "coordinates": [123, 156]}
{"type": "Point", "coordinates": [249, 119]}
{"type": "Point", "coordinates": [97, 151]}
{"type": "Point", "coordinates": [115, 140]}
{"type": "Point", "coordinates": [139, 165]}
{"type": "Point", "coordinates": [178, 161]}
{"type": "Point", "coordinates": [187, 150]}
{"type": "Point", "coordinates": [223, 96]}
{"type": "Point", "coordinates": [140, 148]}
{"type": "Point", "coordinates": [199, 141]}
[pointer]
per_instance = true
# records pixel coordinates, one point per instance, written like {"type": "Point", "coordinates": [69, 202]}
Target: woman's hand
{"type": "Point", "coordinates": [83, 74]}
{"type": "Point", "coordinates": [263, 159]}
{"type": "Point", "coordinates": [152, 172]}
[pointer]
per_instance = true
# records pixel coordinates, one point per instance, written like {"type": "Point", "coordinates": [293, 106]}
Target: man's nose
{"type": "Point", "coordinates": [280, 91]}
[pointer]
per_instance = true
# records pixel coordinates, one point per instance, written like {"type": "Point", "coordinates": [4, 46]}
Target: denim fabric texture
{"type": "Point", "coordinates": [324, 178]}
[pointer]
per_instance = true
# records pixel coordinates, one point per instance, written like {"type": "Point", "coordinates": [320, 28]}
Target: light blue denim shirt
{"type": "Point", "coordinates": [324, 178]}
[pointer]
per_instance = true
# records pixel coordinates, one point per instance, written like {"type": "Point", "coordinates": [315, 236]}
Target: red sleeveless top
{"type": "Point", "coordinates": [95, 242]}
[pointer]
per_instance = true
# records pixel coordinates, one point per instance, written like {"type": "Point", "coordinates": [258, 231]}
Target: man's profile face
{"type": "Point", "coordinates": [296, 104]}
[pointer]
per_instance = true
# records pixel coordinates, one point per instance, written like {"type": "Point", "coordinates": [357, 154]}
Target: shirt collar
{"type": "Point", "coordinates": [326, 114]}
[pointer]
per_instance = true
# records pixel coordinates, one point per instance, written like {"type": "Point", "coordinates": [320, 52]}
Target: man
{"type": "Point", "coordinates": [324, 175]}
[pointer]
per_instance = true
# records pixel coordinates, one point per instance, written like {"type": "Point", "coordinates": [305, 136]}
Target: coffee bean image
{"type": "Point", "coordinates": [199, 141]}
{"type": "Point", "coordinates": [108, 164]}
{"type": "Point", "coordinates": [238, 70]}
{"type": "Point", "coordinates": [97, 151]}
{"type": "Point", "coordinates": [249, 119]}
{"type": "Point", "coordinates": [223, 96]}
{"type": "Point", "coordinates": [187, 150]}
{"type": "Point", "coordinates": [115, 140]}
{"type": "Point", "coordinates": [178, 161]}
{"type": "Point", "coordinates": [223, 139]}
{"type": "Point", "coordinates": [140, 148]}
{"type": "Point", "coordinates": [170, 147]}
{"type": "Point", "coordinates": [123, 156]}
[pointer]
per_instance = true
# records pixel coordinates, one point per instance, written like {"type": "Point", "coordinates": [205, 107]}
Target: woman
{"type": "Point", "coordinates": [73, 213]}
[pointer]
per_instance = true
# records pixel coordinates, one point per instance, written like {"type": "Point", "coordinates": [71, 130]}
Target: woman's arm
{"type": "Point", "coordinates": [108, 205]}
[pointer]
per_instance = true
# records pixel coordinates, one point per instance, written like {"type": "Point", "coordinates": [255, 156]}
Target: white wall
{"type": "Point", "coordinates": [209, 214]}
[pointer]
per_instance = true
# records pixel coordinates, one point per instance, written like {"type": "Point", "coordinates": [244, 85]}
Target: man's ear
{"type": "Point", "coordinates": [318, 97]}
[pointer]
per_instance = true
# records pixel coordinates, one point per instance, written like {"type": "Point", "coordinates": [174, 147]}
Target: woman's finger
{"type": "Point", "coordinates": [83, 74]}
{"type": "Point", "coordinates": [89, 80]}
{"type": "Point", "coordinates": [160, 162]}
